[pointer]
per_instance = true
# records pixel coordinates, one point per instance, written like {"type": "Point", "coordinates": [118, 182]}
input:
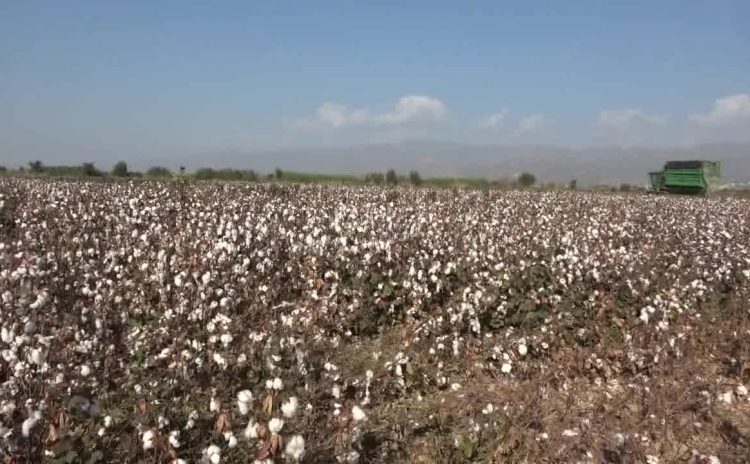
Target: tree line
{"type": "Point", "coordinates": [389, 177]}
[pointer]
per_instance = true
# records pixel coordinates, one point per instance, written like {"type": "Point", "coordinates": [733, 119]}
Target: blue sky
{"type": "Point", "coordinates": [111, 79]}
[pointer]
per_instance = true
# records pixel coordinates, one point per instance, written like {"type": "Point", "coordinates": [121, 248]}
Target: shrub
{"type": "Point", "coordinates": [391, 177]}
{"type": "Point", "coordinates": [414, 178]}
{"type": "Point", "coordinates": [158, 171]}
{"type": "Point", "coordinates": [376, 178]}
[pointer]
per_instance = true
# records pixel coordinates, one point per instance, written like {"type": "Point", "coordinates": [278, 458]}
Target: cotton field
{"type": "Point", "coordinates": [235, 323]}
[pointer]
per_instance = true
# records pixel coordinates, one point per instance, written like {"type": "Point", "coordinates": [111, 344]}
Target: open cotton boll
{"type": "Point", "coordinates": [244, 401]}
{"type": "Point", "coordinates": [148, 439]}
{"type": "Point", "coordinates": [29, 424]}
{"type": "Point", "coordinates": [251, 431]}
{"type": "Point", "coordinates": [289, 408]}
{"type": "Point", "coordinates": [295, 447]}
{"type": "Point", "coordinates": [231, 439]}
{"type": "Point", "coordinates": [278, 384]}
{"type": "Point", "coordinates": [522, 349]}
{"type": "Point", "coordinates": [212, 455]}
{"type": "Point", "coordinates": [174, 438]}
{"type": "Point", "coordinates": [275, 425]}
{"type": "Point", "coordinates": [214, 405]}
{"type": "Point", "coordinates": [358, 414]}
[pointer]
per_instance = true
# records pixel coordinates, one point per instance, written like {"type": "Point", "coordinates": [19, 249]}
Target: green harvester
{"type": "Point", "coordinates": [686, 177]}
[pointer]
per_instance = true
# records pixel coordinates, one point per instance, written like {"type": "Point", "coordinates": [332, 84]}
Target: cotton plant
{"type": "Point", "coordinates": [175, 291]}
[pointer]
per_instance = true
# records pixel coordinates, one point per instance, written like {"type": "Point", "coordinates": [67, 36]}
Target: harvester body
{"type": "Point", "coordinates": [688, 177]}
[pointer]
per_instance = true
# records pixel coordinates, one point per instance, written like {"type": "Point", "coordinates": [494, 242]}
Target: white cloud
{"type": "Point", "coordinates": [532, 123]}
{"type": "Point", "coordinates": [626, 119]}
{"type": "Point", "coordinates": [726, 111]}
{"type": "Point", "coordinates": [493, 121]}
{"type": "Point", "coordinates": [409, 108]}
{"type": "Point", "coordinates": [413, 108]}
{"type": "Point", "coordinates": [338, 116]}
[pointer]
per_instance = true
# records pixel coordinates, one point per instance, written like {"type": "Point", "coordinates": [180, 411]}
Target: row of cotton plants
{"type": "Point", "coordinates": [161, 322]}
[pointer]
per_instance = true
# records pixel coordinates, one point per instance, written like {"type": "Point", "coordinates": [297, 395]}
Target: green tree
{"type": "Point", "coordinates": [88, 169]}
{"type": "Point", "coordinates": [414, 178]}
{"type": "Point", "coordinates": [526, 179]}
{"type": "Point", "coordinates": [3, 169]}
{"type": "Point", "coordinates": [278, 174]}
{"type": "Point", "coordinates": [120, 169]}
{"type": "Point", "coordinates": [376, 178]}
{"type": "Point", "coordinates": [158, 171]}
{"type": "Point", "coordinates": [391, 177]}
{"type": "Point", "coordinates": [36, 166]}
{"type": "Point", "coordinates": [573, 184]}
{"type": "Point", "coordinates": [625, 187]}
{"type": "Point", "coordinates": [205, 173]}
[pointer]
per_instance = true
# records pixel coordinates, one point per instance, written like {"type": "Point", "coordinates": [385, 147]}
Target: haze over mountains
{"type": "Point", "coordinates": [589, 166]}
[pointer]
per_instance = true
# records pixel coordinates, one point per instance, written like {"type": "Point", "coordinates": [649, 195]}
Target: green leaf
{"type": "Point", "coordinates": [467, 448]}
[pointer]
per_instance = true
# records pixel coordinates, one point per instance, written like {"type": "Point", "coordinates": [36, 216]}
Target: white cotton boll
{"type": "Point", "coordinates": [174, 438]}
{"type": "Point", "coordinates": [36, 356]}
{"type": "Point", "coordinates": [289, 408]}
{"type": "Point", "coordinates": [226, 339]}
{"type": "Point", "coordinates": [336, 391]}
{"type": "Point", "coordinates": [206, 278]}
{"type": "Point", "coordinates": [214, 405]}
{"type": "Point", "coordinates": [231, 439]}
{"type": "Point", "coordinates": [244, 401]}
{"type": "Point", "coordinates": [29, 424]}
{"type": "Point", "coordinates": [269, 384]}
{"type": "Point", "coordinates": [278, 384]}
{"type": "Point", "coordinates": [275, 425]}
{"type": "Point", "coordinates": [7, 336]}
{"type": "Point", "coordinates": [295, 447]}
{"type": "Point", "coordinates": [220, 360]}
{"type": "Point", "coordinates": [85, 370]}
{"type": "Point", "coordinates": [506, 368]}
{"type": "Point", "coordinates": [726, 397]}
{"type": "Point", "coordinates": [522, 349]}
{"type": "Point", "coordinates": [358, 414]}
{"type": "Point", "coordinates": [741, 390]}
{"type": "Point", "coordinates": [148, 439]}
{"type": "Point", "coordinates": [107, 421]}
{"type": "Point", "coordinates": [352, 457]}
{"type": "Point", "coordinates": [212, 455]}
{"type": "Point", "coordinates": [179, 461]}
{"type": "Point", "coordinates": [251, 431]}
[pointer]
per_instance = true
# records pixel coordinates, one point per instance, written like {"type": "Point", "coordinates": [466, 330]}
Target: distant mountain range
{"type": "Point", "coordinates": [606, 165]}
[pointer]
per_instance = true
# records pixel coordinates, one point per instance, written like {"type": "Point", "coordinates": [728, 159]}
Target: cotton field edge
{"type": "Point", "coordinates": [228, 323]}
